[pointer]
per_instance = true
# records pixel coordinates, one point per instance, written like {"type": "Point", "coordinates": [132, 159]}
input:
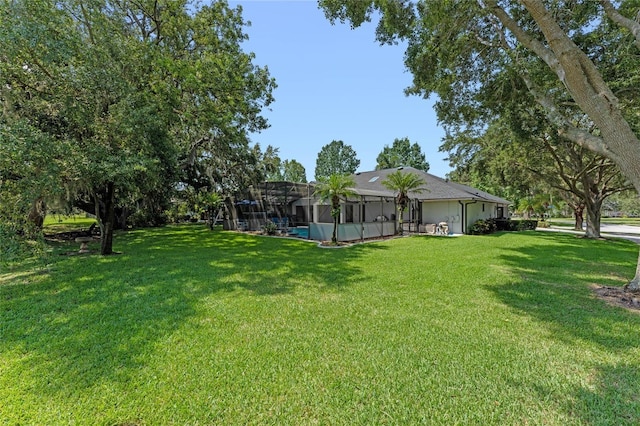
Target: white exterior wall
{"type": "Point", "coordinates": [443, 211]}
{"type": "Point", "coordinates": [475, 212]}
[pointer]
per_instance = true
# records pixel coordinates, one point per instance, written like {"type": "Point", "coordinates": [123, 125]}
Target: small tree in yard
{"type": "Point", "coordinates": [402, 184]}
{"type": "Point", "coordinates": [334, 188]}
{"type": "Point", "coordinates": [213, 202]}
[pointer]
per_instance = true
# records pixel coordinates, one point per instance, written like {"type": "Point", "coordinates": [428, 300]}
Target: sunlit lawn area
{"type": "Point", "coordinates": [633, 221]}
{"type": "Point", "coordinates": [189, 326]}
{"type": "Point", "coordinates": [61, 223]}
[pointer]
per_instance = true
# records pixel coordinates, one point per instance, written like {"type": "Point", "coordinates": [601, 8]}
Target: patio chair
{"type": "Point", "coordinates": [442, 228]}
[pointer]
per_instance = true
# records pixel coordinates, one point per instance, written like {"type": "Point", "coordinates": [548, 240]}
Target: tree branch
{"type": "Point", "coordinates": [568, 180]}
{"type": "Point", "coordinates": [87, 23]}
{"type": "Point", "coordinates": [34, 58]}
{"type": "Point", "coordinates": [565, 128]}
{"type": "Point", "coordinates": [531, 43]}
{"type": "Point", "coordinates": [623, 21]}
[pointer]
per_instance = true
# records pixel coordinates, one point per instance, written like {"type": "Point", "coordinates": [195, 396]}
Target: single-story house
{"type": "Point", "coordinates": [441, 206]}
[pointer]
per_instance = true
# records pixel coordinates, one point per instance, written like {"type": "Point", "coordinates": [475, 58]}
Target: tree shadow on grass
{"type": "Point", "coordinates": [611, 398]}
{"type": "Point", "coordinates": [228, 261]}
{"type": "Point", "coordinates": [552, 279]}
{"type": "Point", "coordinates": [554, 274]}
{"type": "Point", "coordinates": [614, 400]}
{"type": "Point", "coordinates": [97, 319]}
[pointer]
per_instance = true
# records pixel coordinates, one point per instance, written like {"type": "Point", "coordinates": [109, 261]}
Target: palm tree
{"type": "Point", "coordinates": [402, 184]}
{"type": "Point", "coordinates": [213, 201]}
{"type": "Point", "coordinates": [531, 205]}
{"type": "Point", "coordinates": [333, 189]}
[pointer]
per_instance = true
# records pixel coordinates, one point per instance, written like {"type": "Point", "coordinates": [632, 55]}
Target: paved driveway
{"type": "Point", "coordinates": [628, 232]}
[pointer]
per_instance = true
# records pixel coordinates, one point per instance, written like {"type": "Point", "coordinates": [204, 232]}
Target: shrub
{"type": "Point", "coordinates": [489, 226]}
{"type": "Point", "coordinates": [270, 228]}
{"type": "Point", "coordinates": [483, 226]}
{"type": "Point", "coordinates": [146, 218]}
{"type": "Point", "coordinates": [504, 225]}
{"type": "Point", "coordinates": [525, 225]}
{"type": "Point", "coordinates": [19, 243]}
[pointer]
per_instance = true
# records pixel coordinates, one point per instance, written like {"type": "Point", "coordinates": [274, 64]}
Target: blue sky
{"type": "Point", "coordinates": [335, 83]}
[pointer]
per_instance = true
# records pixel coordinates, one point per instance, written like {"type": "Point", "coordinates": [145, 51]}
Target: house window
{"type": "Point", "coordinates": [482, 206]}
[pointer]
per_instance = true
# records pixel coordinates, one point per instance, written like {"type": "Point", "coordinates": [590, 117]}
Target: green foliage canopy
{"type": "Point", "coordinates": [336, 158]}
{"type": "Point", "coordinates": [402, 153]}
{"type": "Point", "coordinates": [293, 171]}
{"type": "Point", "coordinates": [275, 169]}
{"type": "Point", "coordinates": [132, 90]}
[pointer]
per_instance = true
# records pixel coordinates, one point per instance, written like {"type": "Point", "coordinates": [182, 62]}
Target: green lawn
{"type": "Point", "coordinates": [633, 221]}
{"type": "Point", "coordinates": [61, 223]}
{"type": "Point", "coordinates": [194, 327]}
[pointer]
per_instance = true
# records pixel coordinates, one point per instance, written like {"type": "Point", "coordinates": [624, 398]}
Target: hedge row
{"type": "Point", "coordinates": [489, 226]}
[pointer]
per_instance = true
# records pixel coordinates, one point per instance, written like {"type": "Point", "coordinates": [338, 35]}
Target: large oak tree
{"type": "Point", "coordinates": [132, 88]}
{"type": "Point", "coordinates": [456, 50]}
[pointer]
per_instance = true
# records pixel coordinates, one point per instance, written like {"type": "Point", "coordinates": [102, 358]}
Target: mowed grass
{"type": "Point", "coordinates": [62, 223]}
{"type": "Point", "coordinates": [189, 326]}
{"type": "Point", "coordinates": [633, 221]}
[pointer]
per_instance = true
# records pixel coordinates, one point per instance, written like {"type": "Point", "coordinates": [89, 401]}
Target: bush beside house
{"type": "Point", "coordinates": [489, 226]}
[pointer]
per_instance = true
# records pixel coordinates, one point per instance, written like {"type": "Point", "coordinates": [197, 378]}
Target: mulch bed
{"type": "Point", "coordinates": [335, 245]}
{"type": "Point", "coordinates": [617, 296]}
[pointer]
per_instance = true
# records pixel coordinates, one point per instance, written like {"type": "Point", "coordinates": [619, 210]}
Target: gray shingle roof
{"type": "Point", "coordinates": [370, 184]}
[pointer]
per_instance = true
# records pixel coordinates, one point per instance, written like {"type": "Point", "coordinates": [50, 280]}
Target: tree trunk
{"type": "Point", "coordinates": [105, 212]}
{"type": "Point", "coordinates": [589, 90]}
{"type": "Point", "coordinates": [37, 213]}
{"type": "Point", "coordinates": [335, 213]}
{"type": "Point", "coordinates": [593, 219]}
{"type": "Point", "coordinates": [232, 219]}
{"type": "Point", "coordinates": [210, 218]}
{"type": "Point", "coordinates": [578, 214]}
{"type": "Point", "coordinates": [121, 216]}
{"type": "Point", "coordinates": [634, 285]}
